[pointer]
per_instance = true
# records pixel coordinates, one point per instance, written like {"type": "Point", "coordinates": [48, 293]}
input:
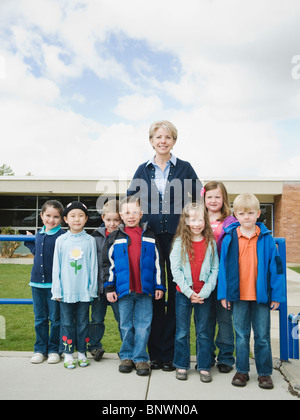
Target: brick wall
{"type": "Point", "coordinates": [287, 219]}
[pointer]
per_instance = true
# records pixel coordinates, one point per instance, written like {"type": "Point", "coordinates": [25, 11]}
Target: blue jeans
{"type": "Point", "coordinates": [74, 326]}
{"type": "Point", "coordinates": [245, 314]}
{"type": "Point", "coordinates": [136, 311]}
{"type": "Point", "coordinates": [225, 336]}
{"type": "Point", "coordinates": [97, 326]}
{"type": "Point", "coordinates": [202, 317]}
{"type": "Point", "coordinates": [46, 310]}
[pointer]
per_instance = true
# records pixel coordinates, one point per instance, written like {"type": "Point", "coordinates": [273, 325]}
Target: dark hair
{"type": "Point", "coordinates": [53, 203]}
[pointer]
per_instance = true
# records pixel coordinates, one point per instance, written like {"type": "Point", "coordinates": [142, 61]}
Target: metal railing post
{"type": "Point", "coordinates": [283, 312]}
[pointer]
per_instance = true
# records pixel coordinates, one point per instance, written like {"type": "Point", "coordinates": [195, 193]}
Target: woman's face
{"type": "Point", "coordinates": [162, 142]}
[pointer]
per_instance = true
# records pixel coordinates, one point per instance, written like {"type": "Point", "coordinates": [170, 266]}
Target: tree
{"type": "Point", "coordinates": [6, 170]}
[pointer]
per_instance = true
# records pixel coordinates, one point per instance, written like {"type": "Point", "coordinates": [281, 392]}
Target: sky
{"type": "Point", "coordinates": [82, 81]}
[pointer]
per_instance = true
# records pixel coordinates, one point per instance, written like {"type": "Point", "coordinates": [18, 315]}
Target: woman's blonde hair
{"type": "Point", "coordinates": [225, 210]}
{"type": "Point", "coordinates": [167, 125]}
{"type": "Point", "coordinates": [184, 232]}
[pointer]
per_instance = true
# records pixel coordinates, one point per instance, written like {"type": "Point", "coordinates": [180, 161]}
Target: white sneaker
{"type": "Point", "coordinates": [53, 358]}
{"type": "Point", "coordinates": [37, 358]}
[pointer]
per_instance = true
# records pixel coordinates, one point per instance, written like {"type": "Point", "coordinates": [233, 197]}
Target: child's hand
{"type": "Point", "coordinates": [226, 304]}
{"type": "Point", "coordinates": [112, 297]}
{"type": "Point", "coordinates": [158, 294]}
{"type": "Point", "coordinates": [196, 299]}
{"type": "Point", "coordinates": [29, 233]}
{"type": "Point", "coordinates": [274, 306]}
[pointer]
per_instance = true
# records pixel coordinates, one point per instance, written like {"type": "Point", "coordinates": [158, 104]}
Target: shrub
{"type": "Point", "coordinates": [7, 248]}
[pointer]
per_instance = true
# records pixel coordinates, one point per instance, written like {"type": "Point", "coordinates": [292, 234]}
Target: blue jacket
{"type": "Point", "coordinates": [43, 249]}
{"type": "Point", "coordinates": [270, 285]}
{"type": "Point", "coordinates": [163, 215]}
{"type": "Point", "coordinates": [182, 274]}
{"type": "Point", "coordinates": [116, 263]}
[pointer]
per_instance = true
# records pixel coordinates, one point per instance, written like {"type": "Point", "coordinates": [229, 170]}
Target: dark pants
{"type": "Point", "coordinates": [163, 327]}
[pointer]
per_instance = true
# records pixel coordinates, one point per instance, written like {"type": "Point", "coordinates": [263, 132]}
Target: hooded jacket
{"type": "Point", "coordinates": [116, 263]}
{"type": "Point", "coordinates": [270, 284]}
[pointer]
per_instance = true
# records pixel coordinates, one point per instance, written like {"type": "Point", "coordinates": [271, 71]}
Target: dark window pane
{"type": "Point", "coordinates": [17, 202]}
{"type": "Point", "coordinates": [17, 218]}
{"type": "Point", "coordinates": [63, 199]}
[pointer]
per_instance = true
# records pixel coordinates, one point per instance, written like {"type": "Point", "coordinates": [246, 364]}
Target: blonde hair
{"type": "Point", "coordinates": [167, 125]}
{"type": "Point", "coordinates": [130, 199]}
{"type": "Point", "coordinates": [246, 202]}
{"type": "Point", "coordinates": [225, 210]}
{"type": "Point", "coordinates": [184, 232]}
{"type": "Point", "coordinates": [111, 206]}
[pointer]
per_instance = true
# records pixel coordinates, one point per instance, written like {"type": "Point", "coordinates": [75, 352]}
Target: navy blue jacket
{"type": "Point", "coordinates": [116, 263]}
{"type": "Point", "coordinates": [182, 186]}
{"type": "Point", "coordinates": [43, 250]}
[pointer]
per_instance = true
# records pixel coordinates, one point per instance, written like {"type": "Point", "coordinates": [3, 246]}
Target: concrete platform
{"type": "Point", "coordinates": [101, 381]}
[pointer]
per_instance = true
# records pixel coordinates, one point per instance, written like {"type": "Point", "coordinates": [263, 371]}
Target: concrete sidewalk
{"type": "Point", "coordinates": [101, 381]}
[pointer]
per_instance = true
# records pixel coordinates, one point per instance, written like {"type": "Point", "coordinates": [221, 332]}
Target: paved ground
{"type": "Point", "coordinates": [19, 379]}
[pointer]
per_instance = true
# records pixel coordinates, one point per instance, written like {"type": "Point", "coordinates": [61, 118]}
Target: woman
{"type": "Point", "coordinates": [164, 184]}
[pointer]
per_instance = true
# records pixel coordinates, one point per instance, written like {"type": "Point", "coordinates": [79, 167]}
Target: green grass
{"type": "Point", "coordinates": [19, 319]}
{"type": "Point", "coordinates": [297, 269]}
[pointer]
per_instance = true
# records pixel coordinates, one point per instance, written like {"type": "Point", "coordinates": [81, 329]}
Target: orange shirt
{"type": "Point", "coordinates": [248, 264]}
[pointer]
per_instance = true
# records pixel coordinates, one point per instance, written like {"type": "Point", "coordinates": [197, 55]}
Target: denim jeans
{"type": "Point", "coordinates": [202, 317]}
{"type": "Point", "coordinates": [136, 311]}
{"type": "Point", "coordinates": [45, 310]}
{"type": "Point", "coordinates": [74, 326]}
{"type": "Point", "coordinates": [225, 336]}
{"type": "Point", "coordinates": [97, 326]}
{"type": "Point", "coordinates": [245, 314]}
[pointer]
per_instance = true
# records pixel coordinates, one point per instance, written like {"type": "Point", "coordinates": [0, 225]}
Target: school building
{"type": "Point", "coordinates": [21, 199]}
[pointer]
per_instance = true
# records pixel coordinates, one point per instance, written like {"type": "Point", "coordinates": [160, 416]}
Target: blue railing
{"type": "Point", "coordinates": [293, 325]}
{"type": "Point", "coordinates": [16, 238]}
{"type": "Point", "coordinates": [283, 316]}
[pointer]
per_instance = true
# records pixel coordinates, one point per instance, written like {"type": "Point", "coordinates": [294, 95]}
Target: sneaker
{"type": "Point", "coordinates": [53, 358]}
{"type": "Point", "coordinates": [126, 366]}
{"type": "Point", "coordinates": [83, 362]}
{"type": "Point", "coordinates": [142, 368]}
{"type": "Point", "coordinates": [181, 374]}
{"type": "Point", "coordinates": [240, 379]}
{"type": "Point", "coordinates": [265, 382]}
{"type": "Point", "coordinates": [97, 354]}
{"type": "Point", "coordinates": [205, 377]}
{"type": "Point", "coordinates": [37, 358]}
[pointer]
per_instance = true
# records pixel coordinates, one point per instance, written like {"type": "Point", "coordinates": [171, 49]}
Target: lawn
{"type": "Point", "coordinates": [19, 319]}
{"type": "Point", "coordinates": [297, 269]}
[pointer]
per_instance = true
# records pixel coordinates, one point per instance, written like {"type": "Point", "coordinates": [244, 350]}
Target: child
{"type": "Point", "coordinates": [219, 213]}
{"type": "Point", "coordinates": [74, 285]}
{"type": "Point", "coordinates": [111, 219]}
{"type": "Point", "coordinates": [251, 280]}
{"type": "Point", "coordinates": [45, 309]}
{"type": "Point", "coordinates": [133, 271]}
{"type": "Point", "coordinates": [194, 264]}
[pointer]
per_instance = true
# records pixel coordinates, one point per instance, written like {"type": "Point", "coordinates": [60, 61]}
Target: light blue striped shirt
{"type": "Point", "coordinates": [161, 177]}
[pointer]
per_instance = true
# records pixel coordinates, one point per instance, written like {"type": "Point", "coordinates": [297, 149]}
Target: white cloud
{"type": "Point", "coordinates": [235, 81]}
{"type": "Point", "coordinates": [137, 107]}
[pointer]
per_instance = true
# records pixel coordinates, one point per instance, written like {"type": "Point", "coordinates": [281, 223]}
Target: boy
{"type": "Point", "coordinates": [133, 273]}
{"type": "Point", "coordinates": [251, 280]}
{"type": "Point", "coordinates": [111, 219]}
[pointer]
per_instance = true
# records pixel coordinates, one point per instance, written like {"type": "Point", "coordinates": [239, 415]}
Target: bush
{"type": "Point", "coordinates": [7, 248]}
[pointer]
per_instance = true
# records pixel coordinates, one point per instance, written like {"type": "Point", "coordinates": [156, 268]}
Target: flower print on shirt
{"type": "Point", "coordinates": [76, 254]}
